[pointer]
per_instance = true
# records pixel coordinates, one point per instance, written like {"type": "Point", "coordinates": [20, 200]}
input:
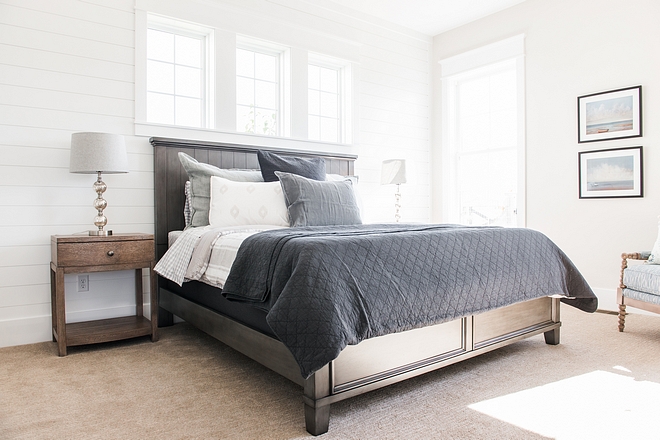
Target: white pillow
{"type": "Point", "coordinates": [654, 258]}
{"type": "Point", "coordinates": [339, 178]}
{"type": "Point", "coordinates": [246, 203]}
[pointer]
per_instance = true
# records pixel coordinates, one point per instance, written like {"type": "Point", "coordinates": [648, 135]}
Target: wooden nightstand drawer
{"type": "Point", "coordinates": [76, 251]}
{"type": "Point", "coordinates": [110, 252]}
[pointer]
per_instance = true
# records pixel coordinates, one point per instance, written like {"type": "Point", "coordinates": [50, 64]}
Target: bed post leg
{"type": "Point", "coordinates": [165, 317]}
{"type": "Point", "coordinates": [317, 386]}
{"type": "Point", "coordinates": [552, 337]}
{"type": "Point", "coordinates": [317, 420]}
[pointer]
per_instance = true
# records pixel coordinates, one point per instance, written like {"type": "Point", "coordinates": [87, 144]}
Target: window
{"type": "Point", "coordinates": [260, 84]}
{"type": "Point", "coordinates": [327, 94]}
{"type": "Point", "coordinates": [177, 75]}
{"type": "Point", "coordinates": [485, 150]}
{"type": "Point", "coordinates": [323, 105]}
{"type": "Point", "coordinates": [484, 144]}
{"type": "Point", "coordinates": [179, 91]}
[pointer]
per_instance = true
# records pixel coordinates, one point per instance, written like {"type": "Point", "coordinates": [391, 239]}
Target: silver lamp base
{"type": "Point", "coordinates": [397, 203]}
{"type": "Point", "coordinates": [100, 233]}
{"type": "Point", "coordinates": [100, 204]}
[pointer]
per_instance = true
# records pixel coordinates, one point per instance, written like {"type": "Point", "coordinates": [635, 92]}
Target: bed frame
{"type": "Point", "coordinates": [372, 364]}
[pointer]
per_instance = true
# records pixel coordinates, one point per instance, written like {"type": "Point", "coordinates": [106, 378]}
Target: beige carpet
{"type": "Point", "coordinates": [189, 386]}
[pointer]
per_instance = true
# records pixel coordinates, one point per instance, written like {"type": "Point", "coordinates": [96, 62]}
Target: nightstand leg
{"type": "Point", "coordinates": [60, 314]}
{"type": "Point", "coordinates": [139, 292]}
{"type": "Point", "coordinates": [53, 312]}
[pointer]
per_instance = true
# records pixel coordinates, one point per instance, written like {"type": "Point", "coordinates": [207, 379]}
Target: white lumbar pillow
{"type": "Point", "coordinates": [246, 203]}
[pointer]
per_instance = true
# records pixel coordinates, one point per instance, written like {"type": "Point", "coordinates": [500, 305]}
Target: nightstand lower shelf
{"type": "Point", "coordinates": [106, 330]}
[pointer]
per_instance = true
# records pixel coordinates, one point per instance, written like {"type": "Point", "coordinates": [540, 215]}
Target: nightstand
{"type": "Point", "coordinates": [85, 254]}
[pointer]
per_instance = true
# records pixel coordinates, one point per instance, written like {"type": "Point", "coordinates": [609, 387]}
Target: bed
{"type": "Point", "coordinates": [374, 362]}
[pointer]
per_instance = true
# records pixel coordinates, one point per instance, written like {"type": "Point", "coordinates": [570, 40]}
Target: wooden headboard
{"type": "Point", "coordinates": [170, 177]}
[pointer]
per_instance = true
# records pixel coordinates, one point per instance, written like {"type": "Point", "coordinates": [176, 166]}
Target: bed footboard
{"type": "Point", "coordinates": [381, 361]}
{"type": "Point", "coordinates": [378, 362]}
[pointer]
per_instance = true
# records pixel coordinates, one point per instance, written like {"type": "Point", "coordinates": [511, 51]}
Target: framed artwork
{"type": "Point", "coordinates": [616, 114]}
{"type": "Point", "coordinates": [611, 173]}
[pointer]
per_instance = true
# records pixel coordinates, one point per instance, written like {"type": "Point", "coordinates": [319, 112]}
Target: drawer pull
{"type": "Point", "coordinates": [111, 253]}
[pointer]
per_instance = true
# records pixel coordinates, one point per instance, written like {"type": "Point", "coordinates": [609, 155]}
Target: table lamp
{"type": "Point", "coordinates": [394, 172]}
{"type": "Point", "coordinates": [96, 153]}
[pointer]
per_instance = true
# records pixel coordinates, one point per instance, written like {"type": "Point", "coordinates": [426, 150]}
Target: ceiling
{"type": "Point", "coordinates": [430, 17]}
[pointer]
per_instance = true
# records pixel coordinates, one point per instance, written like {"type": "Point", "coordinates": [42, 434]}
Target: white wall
{"type": "Point", "coordinates": [69, 66]}
{"type": "Point", "coordinates": [575, 48]}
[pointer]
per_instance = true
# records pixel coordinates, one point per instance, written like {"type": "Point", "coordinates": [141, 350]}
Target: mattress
{"type": "Point", "coordinates": [211, 298]}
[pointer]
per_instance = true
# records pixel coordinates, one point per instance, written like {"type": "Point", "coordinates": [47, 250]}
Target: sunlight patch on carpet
{"type": "Point", "coordinates": [596, 405]}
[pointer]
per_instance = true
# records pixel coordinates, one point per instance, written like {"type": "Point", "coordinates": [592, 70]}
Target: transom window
{"type": "Point", "coordinates": [176, 76]}
{"type": "Point", "coordinates": [177, 89]}
{"type": "Point", "coordinates": [259, 89]}
{"type": "Point", "coordinates": [323, 103]}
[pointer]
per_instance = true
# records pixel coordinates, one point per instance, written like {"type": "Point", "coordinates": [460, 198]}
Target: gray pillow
{"type": "Point", "coordinates": [313, 168]}
{"type": "Point", "coordinates": [199, 175]}
{"type": "Point", "coordinates": [319, 203]}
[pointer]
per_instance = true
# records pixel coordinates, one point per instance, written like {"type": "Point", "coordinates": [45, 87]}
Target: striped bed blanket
{"type": "Point", "coordinates": [205, 254]}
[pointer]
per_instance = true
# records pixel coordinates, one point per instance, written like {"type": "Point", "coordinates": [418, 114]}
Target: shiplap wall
{"type": "Point", "coordinates": [65, 66]}
{"type": "Point", "coordinates": [68, 66]}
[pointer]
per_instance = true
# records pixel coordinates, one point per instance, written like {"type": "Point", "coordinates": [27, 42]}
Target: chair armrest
{"type": "Point", "coordinates": [631, 256]}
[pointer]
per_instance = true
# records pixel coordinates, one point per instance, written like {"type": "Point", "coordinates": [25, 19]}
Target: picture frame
{"type": "Point", "coordinates": [615, 114]}
{"type": "Point", "coordinates": [611, 173]}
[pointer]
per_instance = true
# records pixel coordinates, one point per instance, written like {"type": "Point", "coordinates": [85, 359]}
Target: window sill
{"type": "Point", "coordinates": [206, 134]}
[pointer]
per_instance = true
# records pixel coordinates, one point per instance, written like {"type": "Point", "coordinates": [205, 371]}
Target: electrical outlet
{"type": "Point", "coordinates": [83, 283]}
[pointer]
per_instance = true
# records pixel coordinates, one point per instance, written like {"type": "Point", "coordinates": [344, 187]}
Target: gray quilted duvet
{"type": "Point", "coordinates": [326, 287]}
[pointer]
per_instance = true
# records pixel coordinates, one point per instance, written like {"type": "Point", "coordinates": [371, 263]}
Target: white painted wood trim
{"type": "Point", "coordinates": [492, 53]}
{"type": "Point", "coordinates": [158, 130]}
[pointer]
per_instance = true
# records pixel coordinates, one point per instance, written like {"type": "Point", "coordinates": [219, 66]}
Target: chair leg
{"type": "Point", "coordinates": [622, 316]}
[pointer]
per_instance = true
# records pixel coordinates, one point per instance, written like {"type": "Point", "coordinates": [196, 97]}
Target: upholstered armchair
{"type": "Point", "coordinates": [639, 286]}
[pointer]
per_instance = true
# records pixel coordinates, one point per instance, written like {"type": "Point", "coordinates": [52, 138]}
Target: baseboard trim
{"type": "Point", "coordinates": [25, 331]}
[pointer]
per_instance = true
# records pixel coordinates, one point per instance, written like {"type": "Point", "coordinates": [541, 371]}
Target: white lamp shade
{"type": "Point", "coordinates": [98, 152]}
{"type": "Point", "coordinates": [393, 172]}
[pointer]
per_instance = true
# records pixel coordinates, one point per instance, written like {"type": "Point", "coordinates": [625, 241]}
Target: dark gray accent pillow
{"type": "Point", "coordinates": [199, 175]}
{"type": "Point", "coordinates": [313, 168]}
{"type": "Point", "coordinates": [319, 203]}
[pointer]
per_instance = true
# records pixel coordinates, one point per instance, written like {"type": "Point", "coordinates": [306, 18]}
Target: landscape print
{"type": "Point", "coordinates": [610, 115]}
{"type": "Point", "coordinates": [614, 114]}
{"type": "Point", "coordinates": [611, 173]}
